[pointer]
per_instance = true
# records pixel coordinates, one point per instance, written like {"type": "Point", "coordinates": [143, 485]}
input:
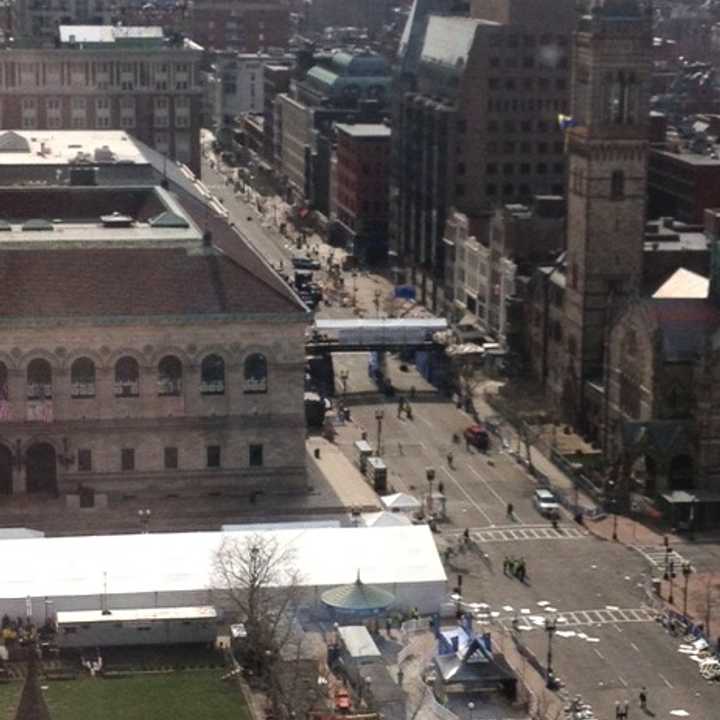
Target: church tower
{"type": "Point", "coordinates": [607, 168]}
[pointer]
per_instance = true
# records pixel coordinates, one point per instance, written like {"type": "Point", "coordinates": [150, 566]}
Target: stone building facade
{"type": "Point", "coordinates": [150, 351]}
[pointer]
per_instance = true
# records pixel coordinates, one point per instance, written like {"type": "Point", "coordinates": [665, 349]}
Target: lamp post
{"type": "Point", "coordinates": [354, 279]}
{"type": "Point", "coordinates": [550, 627]}
{"type": "Point", "coordinates": [430, 476]}
{"type": "Point", "coordinates": [686, 571]}
{"type": "Point", "coordinates": [671, 574]}
{"type": "Point", "coordinates": [379, 415]}
{"type": "Point", "coordinates": [471, 707]}
{"type": "Point", "coordinates": [612, 500]}
{"type": "Point", "coordinates": [144, 514]}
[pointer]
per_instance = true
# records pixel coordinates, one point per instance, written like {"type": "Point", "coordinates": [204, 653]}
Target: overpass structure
{"type": "Point", "coordinates": [367, 335]}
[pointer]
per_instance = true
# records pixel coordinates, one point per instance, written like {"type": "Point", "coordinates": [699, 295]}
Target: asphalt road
{"type": "Point", "coordinates": [249, 221]}
{"type": "Point", "coordinates": [615, 651]}
{"type": "Point", "coordinates": [611, 655]}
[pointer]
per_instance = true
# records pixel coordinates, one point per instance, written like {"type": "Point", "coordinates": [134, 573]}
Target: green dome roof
{"type": "Point", "coordinates": [357, 598]}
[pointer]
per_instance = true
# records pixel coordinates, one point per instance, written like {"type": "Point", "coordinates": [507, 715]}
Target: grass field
{"type": "Point", "coordinates": [10, 698]}
{"type": "Point", "coordinates": [189, 695]}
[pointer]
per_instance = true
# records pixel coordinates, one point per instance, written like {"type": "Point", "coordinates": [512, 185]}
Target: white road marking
{"type": "Point", "coordinates": [516, 534]}
{"type": "Point", "coordinates": [622, 680]}
{"type": "Point", "coordinates": [468, 496]}
{"type": "Point", "coordinates": [634, 647]}
{"type": "Point", "coordinates": [665, 680]}
{"type": "Point", "coordinates": [599, 654]}
{"type": "Point", "coordinates": [497, 495]}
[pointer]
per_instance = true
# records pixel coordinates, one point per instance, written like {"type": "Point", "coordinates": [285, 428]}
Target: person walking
{"type": "Point", "coordinates": [624, 710]}
{"type": "Point", "coordinates": [643, 698]}
{"type": "Point", "coordinates": [510, 510]}
{"type": "Point", "coordinates": [618, 710]}
{"type": "Point", "coordinates": [450, 459]}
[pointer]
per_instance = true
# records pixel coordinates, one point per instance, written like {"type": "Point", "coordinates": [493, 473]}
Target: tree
{"type": "Point", "coordinates": [258, 578]}
{"type": "Point", "coordinates": [467, 380]}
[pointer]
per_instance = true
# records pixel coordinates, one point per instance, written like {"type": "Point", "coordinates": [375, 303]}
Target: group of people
{"type": "Point", "coordinates": [23, 632]}
{"type": "Point", "coordinates": [515, 567]}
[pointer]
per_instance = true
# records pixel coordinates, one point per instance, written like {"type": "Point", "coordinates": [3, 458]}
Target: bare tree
{"type": "Point", "coordinates": [258, 578]}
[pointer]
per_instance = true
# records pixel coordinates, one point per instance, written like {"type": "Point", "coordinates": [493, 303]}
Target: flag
{"type": "Point", "coordinates": [566, 121]}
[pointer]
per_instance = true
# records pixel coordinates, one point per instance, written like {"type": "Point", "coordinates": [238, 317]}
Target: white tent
{"type": "Point", "coordinates": [385, 519]}
{"type": "Point", "coordinates": [175, 569]}
{"type": "Point", "coordinates": [400, 501]}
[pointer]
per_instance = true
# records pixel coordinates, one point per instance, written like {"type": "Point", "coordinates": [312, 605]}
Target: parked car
{"type": "Point", "coordinates": [305, 263]}
{"type": "Point", "coordinates": [477, 435]}
{"type": "Point", "coordinates": [546, 503]}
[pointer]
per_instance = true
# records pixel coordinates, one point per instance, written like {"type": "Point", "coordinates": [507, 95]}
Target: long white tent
{"type": "Point", "coordinates": [175, 569]}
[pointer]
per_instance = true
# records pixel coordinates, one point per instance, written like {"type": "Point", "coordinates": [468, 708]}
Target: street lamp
{"type": "Point", "coordinates": [430, 476]}
{"type": "Point", "coordinates": [471, 707]}
{"type": "Point", "coordinates": [613, 505]}
{"type": "Point", "coordinates": [550, 627]}
{"type": "Point", "coordinates": [144, 514]}
{"type": "Point", "coordinates": [379, 415]}
{"type": "Point", "coordinates": [686, 571]}
{"type": "Point", "coordinates": [671, 597]}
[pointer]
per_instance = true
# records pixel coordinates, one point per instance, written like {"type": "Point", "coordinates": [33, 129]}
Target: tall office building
{"type": "Point", "coordinates": [479, 127]}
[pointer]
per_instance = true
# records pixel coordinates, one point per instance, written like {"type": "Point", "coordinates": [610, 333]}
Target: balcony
{"type": "Point", "coordinates": [39, 391]}
{"type": "Point", "coordinates": [130, 388]}
{"type": "Point", "coordinates": [169, 387]}
{"type": "Point", "coordinates": [39, 411]}
{"type": "Point", "coordinates": [82, 390]}
{"type": "Point", "coordinates": [214, 387]}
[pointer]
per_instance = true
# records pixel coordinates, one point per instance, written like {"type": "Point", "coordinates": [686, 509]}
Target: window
{"type": "Point", "coordinates": [212, 375]}
{"type": "Point", "coordinates": [256, 455]}
{"type": "Point", "coordinates": [541, 168]}
{"type": "Point", "coordinates": [170, 376]}
{"type": "Point", "coordinates": [255, 374]}
{"type": "Point", "coordinates": [171, 458]}
{"type": "Point", "coordinates": [525, 169]}
{"type": "Point", "coordinates": [84, 460]}
{"type": "Point", "coordinates": [508, 169]}
{"type": "Point", "coordinates": [617, 185]}
{"type": "Point", "coordinates": [4, 390]}
{"type": "Point", "coordinates": [127, 377]}
{"type": "Point", "coordinates": [213, 456]}
{"type": "Point", "coordinates": [490, 190]}
{"type": "Point", "coordinates": [82, 378]}
{"type": "Point", "coordinates": [39, 380]}
{"type": "Point", "coordinates": [127, 459]}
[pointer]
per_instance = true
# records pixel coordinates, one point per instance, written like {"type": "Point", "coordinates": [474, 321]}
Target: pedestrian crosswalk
{"type": "Point", "coordinates": [656, 555]}
{"type": "Point", "coordinates": [527, 533]}
{"type": "Point", "coordinates": [584, 618]}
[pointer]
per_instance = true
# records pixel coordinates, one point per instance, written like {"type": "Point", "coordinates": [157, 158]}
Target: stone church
{"type": "Point", "coordinates": [631, 367]}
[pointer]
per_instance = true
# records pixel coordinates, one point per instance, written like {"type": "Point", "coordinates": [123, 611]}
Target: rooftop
{"type": "Point", "coordinates": [364, 130]}
{"type": "Point", "coordinates": [110, 34]}
{"type": "Point", "coordinates": [61, 147]}
{"type": "Point", "coordinates": [449, 40]}
{"type": "Point", "coordinates": [691, 158]}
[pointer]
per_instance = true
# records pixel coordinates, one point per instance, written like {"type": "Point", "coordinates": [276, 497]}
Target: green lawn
{"type": "Point", "coordinates": [10, 698]}
{"type": "Point", "coordinates": [188, 695]}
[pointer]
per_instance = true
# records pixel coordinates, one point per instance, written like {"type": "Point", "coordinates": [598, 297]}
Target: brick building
{"type": "Point", "coordinates": [247, 26]}
{"type": "Point", "coordinates": [478, 129]}
{"type": "Point", "coordinates": [359, 219]}
{"type": "Point", "coordinates": [113, 375]}
{"type": "Point", "coordinates": [108, 78]}
{"type": "Point", "coordinates": [682, 185]}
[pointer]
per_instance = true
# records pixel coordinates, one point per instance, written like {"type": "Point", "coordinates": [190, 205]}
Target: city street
{"type": "Point", "coordinates": [607, 644]}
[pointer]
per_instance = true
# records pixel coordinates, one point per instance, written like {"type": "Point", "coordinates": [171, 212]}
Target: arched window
{"type": "Point", "coordinates": [4, 385]}
{"type": "Point", "coordinates": [169, 376]}
{"type": "Point", "coordinates": [255, 373]}
{"type": "Point", "coordinates": [212, 375]}
{"type": "Point", "coordinates": [617, 185]}
{"type": "Point", "coordinates": [39, 380]}
{"type": "Point", "coordinates": [82, 378]}
{"type": "Point", "coordinates": [127, 377]}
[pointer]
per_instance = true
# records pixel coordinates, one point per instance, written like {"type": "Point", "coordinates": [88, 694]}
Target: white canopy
{"type": "Point", "coordinates": [400, 501]}
{"type": "Point", "coordinates": [385, 519]}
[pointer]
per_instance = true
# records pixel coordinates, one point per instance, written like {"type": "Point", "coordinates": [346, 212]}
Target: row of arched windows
{"type": "Point", "coordinates": [127, 377]}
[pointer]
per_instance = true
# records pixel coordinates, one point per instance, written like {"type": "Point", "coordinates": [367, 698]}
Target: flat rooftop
{"type": "Point", "coordinates": [690, 158]}
{"type": "Point", "coordinates": [63, 147]}
{"type": "Point", "coordinates": [365, 130]}
{"type": "Point", "coordinates": [38, 217]}
{"type": "Point", "coordinates": [110, 34]}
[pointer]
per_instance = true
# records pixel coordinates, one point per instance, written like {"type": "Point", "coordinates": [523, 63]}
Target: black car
{"type": "Point", "coordinates": [305, 263]}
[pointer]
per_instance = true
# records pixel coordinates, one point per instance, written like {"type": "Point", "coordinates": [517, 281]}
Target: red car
{"type": "Point", "coordinates": [477, 435]}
